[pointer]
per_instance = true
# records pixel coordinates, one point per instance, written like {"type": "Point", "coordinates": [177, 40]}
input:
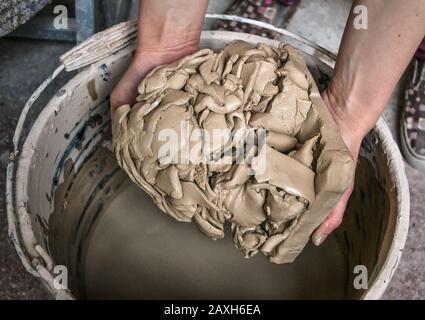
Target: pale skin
{"type": "Point", "coordinates": [369, 65]}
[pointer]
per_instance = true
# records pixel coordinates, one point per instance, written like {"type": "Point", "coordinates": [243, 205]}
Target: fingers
{"type": "Point", "coordinates": [121, 96]}
{"type": "Point", "coordinates": [333, 221]}
{"type": "Point", "coordinates": [125, 91]}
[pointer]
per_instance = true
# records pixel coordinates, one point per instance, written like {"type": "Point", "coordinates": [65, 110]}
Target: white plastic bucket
{"type": "Point", "coordinates": [67, 198]}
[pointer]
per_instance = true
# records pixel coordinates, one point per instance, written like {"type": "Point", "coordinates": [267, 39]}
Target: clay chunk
{"type": "Point", "coordinates": [241, 135]}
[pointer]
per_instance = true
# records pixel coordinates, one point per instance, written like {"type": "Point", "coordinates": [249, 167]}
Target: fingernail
{"type": "Point", "coordinates": [319, 239]}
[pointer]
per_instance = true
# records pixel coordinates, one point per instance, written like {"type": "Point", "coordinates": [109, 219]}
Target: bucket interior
{"type": "Point", "coordinates": [117, 244]}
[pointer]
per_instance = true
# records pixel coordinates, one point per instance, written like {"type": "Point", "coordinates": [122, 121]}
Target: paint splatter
{"type": "Point", "coordinates": [91, 88]}
{"type": "Point", "coordinates": [105, 74]}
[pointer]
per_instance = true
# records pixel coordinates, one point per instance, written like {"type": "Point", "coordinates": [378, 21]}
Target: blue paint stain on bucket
{"type": "Point", "coordinates": [105, 74]}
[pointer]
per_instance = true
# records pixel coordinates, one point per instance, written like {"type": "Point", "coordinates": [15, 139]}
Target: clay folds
{"type": "Point", "coordinates": [240, 135]}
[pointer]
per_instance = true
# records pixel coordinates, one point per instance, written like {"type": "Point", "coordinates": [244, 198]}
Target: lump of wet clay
{"type": "Point", "coordinates": [277, 167]}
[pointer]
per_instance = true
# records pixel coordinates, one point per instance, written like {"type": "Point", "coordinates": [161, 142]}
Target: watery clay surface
{"type": "Point", "coordinates": [117, 244]}
{"type": "Point", "coordinates": [137, 252]}
{"type": "Point", "coordinates": [307, 166]}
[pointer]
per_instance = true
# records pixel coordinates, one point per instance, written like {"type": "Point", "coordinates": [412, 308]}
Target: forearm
{"type": "Point", "coordinates": [167, 25]}
{"type": "Point", "coordinates": [370, 62]}
{"type": "Point", "coordinates": [167, 31]}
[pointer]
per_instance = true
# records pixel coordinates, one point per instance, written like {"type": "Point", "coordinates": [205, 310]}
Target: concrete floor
{"type": "Point", "coordinates": [25, 64]}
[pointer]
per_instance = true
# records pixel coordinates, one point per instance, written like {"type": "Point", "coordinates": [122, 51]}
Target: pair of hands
{"type": "Point", "coordinates": [125, 92]}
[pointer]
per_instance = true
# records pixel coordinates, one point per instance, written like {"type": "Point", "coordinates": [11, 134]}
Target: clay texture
{"type": "Point", "coordinates": [274, 202]}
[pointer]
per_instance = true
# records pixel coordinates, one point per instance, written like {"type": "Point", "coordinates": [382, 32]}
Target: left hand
{"type": "Point", "coordinates": [353, 139]}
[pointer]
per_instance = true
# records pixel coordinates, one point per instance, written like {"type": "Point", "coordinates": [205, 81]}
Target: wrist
{"type": "Point", "coordinates": [168, 45]}
{"type": "Point", "coordinates": [168, 26]}
{"type": "Point", "coordinates": [352, 127]}
{"type": "Point", "coordinates": [157, 53]}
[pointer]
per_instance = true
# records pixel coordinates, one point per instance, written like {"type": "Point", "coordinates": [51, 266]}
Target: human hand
{"type": "Point", "coordinates": [352, 134]}
{"type": "Point", "coordinates": [167, 31]}
{"type": "Point", "coordinates": [125, 92]}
